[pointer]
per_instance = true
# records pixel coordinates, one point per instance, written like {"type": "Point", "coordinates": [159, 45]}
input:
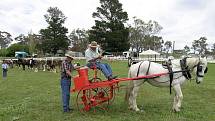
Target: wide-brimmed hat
{"type": "Point", "coordinates": [69, 55]}
{"type": "Point", "coordinates": [93, 44]}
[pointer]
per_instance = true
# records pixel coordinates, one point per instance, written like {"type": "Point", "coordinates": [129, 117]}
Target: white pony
{"type": "Point", "coordinates": [181, 71]}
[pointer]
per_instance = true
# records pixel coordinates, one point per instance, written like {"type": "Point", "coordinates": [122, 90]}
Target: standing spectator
{"type": "Point", "coordinates": [66, 69]}
{"type": "Point", "coordinates": [4, 69]}
{"type": "Point", "coordinates": [11, 63]}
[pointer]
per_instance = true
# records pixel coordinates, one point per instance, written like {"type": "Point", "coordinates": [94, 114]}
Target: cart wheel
{"type": "Point", "coordinates": [107, 89]}
{"type": "Point", "coordinates": [96, 99]}
{"type": "Point", "coordinates": [95, 80]}
{"type": "Point", "coordinates": [110, 90]}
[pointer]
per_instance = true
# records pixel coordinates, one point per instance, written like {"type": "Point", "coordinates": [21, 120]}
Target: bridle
{"type": "Point", "coordinates": [199, 69]}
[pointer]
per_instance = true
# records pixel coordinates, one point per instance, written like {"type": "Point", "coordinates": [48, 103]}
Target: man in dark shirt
{"type": "Point", "coordinates": [66, 69]}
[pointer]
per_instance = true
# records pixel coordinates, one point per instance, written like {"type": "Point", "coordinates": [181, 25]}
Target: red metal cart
{"type": "Point", "coordinates": [99, 94]}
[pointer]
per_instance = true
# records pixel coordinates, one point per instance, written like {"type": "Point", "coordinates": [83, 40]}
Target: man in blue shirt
{"type": "Point", "coordinates": [93, 58]}
{"type": "Point", "coordinates": [66, 70]}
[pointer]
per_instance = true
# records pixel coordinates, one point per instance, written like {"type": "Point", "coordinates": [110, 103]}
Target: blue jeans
{"type": "Point", "coordinates": [104, 67]}
{"type": "Point", "coordinates": [65, 86]}
{"type": "Point", "coordinates": [4, 73]}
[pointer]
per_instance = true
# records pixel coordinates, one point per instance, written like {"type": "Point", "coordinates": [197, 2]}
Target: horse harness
{"type": "Point", "coordinates": [168, 65]}
{"type": "Point", "coordinates": [184, 69]}
{"type": "Point", "coordinates": [186, 72]}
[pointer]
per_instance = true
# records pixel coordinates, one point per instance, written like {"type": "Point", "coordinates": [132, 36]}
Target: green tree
{"type": "Point", "coordinates": [203, 45]}
{"type": "Point", "coordinates": [186, 49]}
{"type": "Point", "coordinates": [79, 40]}
{"type": "Point", "coordinates": [3, 52]}
{"type": "Point", "coordinates": [22, 39]}
{"type": "Point", "coordinates": [5, 39]}
{"type": "Point", "coordinates": [153, 42]}
{"type": "Point", "coordinates": [143, 35]}
{"type": "Point", "coordinates": [213, 49]}
{"type": "Point", "coordinates": [34, 41]}
{"type": "Point", "coordinates": [109, 29]}
{"type": "Point", "coordinates": [136, 34]}
{"type": "Point", "coordinates": [195, 45]}
{"type": "Point", "coordinates": [168, 46]}
{"type": "Point", "coordinates": [17, 47]}
{"type": "Point", "coordinates": [54, 36]}
{"type": "Point", "coordinates": [200, 45]}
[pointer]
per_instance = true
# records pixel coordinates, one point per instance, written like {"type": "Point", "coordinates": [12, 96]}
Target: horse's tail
{"type": "Point", "coordinates": [130, 86]}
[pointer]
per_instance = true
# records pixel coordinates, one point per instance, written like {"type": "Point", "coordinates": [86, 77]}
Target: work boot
{"type": "Point", "coordinates": [111, 77]}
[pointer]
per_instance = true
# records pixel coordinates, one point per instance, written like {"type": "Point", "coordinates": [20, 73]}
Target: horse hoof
{"type": "Point", "coordinates": [134, 109]}
{"type": "Point", "coordinates": [176, 110]}
{"type": "Point", "coordinates": [142, 111]}
{"type": "Point", "coordinates": [137, 109]}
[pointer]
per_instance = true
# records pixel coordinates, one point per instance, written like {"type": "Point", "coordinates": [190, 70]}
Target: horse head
{"type": "Point", "coordinates": [199, 66]}
{"type": "Point", "coordinates": [201, 69]}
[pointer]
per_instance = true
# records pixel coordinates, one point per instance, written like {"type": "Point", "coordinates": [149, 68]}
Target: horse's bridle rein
{"type": "Point", "coordinates": [199, 69]}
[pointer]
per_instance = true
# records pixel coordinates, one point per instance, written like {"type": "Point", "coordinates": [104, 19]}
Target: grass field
{"type": "Point", "coordinates": [30, 96]}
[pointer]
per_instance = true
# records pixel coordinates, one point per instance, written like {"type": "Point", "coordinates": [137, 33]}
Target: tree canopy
{"type": "Point", "coordinates": [54, 36]}
{"type": "Point", "coordinates": [143, 35]}
{"type": "Point", "coordinates": [200, 45]}
{"type": "Point", "coordinates": [79, 40]}
{"type": "Point", "coordinates": [5, 39]}
{"type": "Point", "coordinates": [109, 29]}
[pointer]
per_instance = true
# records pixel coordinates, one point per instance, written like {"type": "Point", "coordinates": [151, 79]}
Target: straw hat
{"type": "Point", "coordinates": [93, 44]}
{"type": "Point", "coordinates": [69, 55]}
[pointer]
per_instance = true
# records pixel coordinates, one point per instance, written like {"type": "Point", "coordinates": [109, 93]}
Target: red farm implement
{"type": "Point", "coordinates": [98, 94]}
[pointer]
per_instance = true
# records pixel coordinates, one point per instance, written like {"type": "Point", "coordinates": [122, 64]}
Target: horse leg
{"type": "Point", "coordinates": [44, 67]}
{"type": "Point", "coordinates": [178, 98]}
{"type": "Point", "coordinates": [132, 97]}
{"type": "Point", "coordinates": [135, 91]}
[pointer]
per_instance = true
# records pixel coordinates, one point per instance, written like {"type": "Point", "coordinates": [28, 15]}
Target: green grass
{"type": "Point", "coordinates": [30, 96]}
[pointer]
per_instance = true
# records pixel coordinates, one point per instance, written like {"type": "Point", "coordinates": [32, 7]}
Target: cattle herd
{"type": "Point", "coordinates": [36, 64]}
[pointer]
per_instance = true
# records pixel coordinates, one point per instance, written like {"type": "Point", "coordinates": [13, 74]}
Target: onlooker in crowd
{"type": "Point", "coordinates": [4, 69]}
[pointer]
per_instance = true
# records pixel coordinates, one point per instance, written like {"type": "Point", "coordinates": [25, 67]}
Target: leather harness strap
{"type": "Point", "coordinates": [147, 72]}
{"type": "Point", "coordinates": [184, 66]}
{"type": "Point", "coordinates": [138, 71]}
{"type": "Point", "coordinates": [169, 67]}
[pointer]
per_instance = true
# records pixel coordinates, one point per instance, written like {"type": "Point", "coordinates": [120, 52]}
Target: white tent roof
{"type": "Point", "coordinates": [149, 52]}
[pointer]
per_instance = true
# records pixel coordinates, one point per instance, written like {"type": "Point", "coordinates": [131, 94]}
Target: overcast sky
{"type": "Point", "coordinates": [182, 20]}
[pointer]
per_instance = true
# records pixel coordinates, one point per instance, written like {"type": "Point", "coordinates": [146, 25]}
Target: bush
{"type": "Point", "coordinates": [3, 52]}
{"type": "Point", "coordinates": [16, 47]}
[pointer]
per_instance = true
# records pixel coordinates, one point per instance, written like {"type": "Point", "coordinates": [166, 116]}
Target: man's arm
{"type": "Point", "coordinates": [66, 69]}
{"type": "Point", "coordinates": [68, 73]}
{"type": "Point", "coordinates": [94, 59]}
{"type": "Point", "coordinates": [89, 57]}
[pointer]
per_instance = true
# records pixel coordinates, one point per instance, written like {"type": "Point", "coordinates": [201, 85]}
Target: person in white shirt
{"type": "Point", "coordinates": [93, 58]}
{"type": "Point", "coordinates": [4, 69]}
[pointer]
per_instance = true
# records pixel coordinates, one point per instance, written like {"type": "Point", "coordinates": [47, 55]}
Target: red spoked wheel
{"type": "Point", "coordinates": [92, 99]}
{"type": "Point", "coordinates": [95, 80]}
{"type": "Point", "coordinates": [109, 89]}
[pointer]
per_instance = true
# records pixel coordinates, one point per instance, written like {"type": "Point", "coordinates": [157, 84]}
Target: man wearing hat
{"type": "Point", "coordinates": [93, 57]}
{"type": "Point", "coordinates": [66, 69]}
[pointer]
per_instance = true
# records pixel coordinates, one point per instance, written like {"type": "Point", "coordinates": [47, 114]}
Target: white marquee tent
{"type": "Point", "coordinates": [149, 53]}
